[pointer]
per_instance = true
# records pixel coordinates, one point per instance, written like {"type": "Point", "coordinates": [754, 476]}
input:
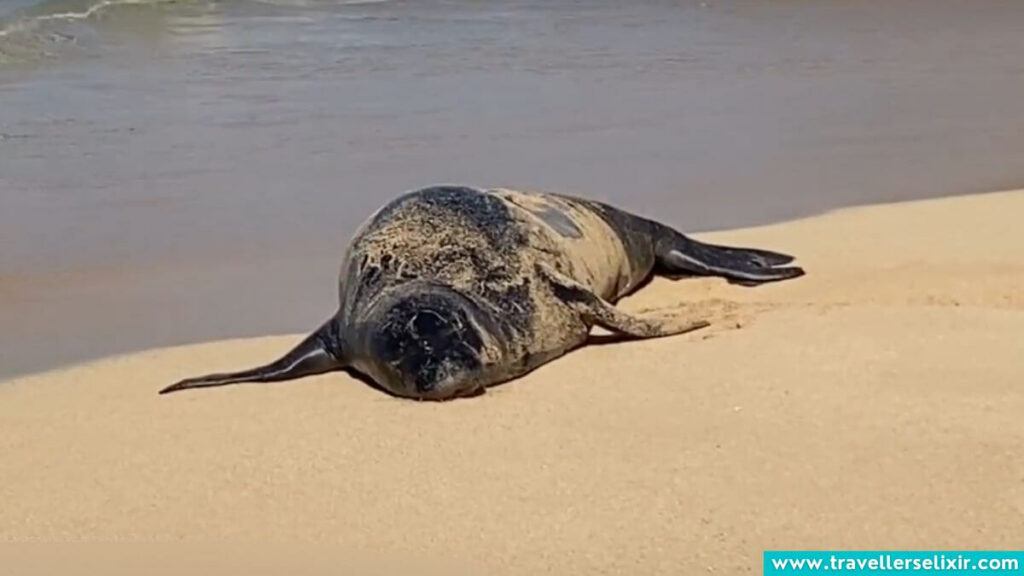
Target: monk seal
{"type": "Point", "coordinates": [447, 290]}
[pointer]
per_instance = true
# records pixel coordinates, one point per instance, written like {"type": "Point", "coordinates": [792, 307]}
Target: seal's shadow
{"type": "Point", "coordinates": [368, 381]}
{"type": "Point", "coordinates": [375, 386]}
{"type": "Point", "coordinates": [676, 276]}
{"type": "Point", "coordinates": [606, 339]}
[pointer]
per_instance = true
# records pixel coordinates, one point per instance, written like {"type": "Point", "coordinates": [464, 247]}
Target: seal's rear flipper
{"type": "Point", "coordinates": [677, 253]}
{"type": "Point", "coordinates": [312, 356]}
{"type": "Point", "coordinates": [755, 256]}
{"type": "Point", "coordinates": [596, 310]}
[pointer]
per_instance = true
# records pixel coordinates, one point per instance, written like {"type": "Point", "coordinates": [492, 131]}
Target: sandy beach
{"type": "Point", "coordinates": [873, 404]}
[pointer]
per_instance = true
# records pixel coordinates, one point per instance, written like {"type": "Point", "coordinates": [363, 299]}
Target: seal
{"type": "Point", "coordinates": [447, 290]}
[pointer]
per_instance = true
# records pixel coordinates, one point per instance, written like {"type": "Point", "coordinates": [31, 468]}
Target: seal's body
{"type": "Point", "coordinates": [448, 290]}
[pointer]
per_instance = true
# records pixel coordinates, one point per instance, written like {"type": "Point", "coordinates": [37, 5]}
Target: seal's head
{"type": "Point", "coordinates": [428, 342]}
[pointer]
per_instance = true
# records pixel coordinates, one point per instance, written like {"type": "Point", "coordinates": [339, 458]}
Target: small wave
{"type": "Point", "coordinates": [44, 30]}
{"type": "Point", "coordinates": [53, 29]}
{"type": "Point", "coordinates": [40, 14]}
{"type": "Point", "coordinates": [87, 12]}
{"type": "Point", "coordinates": [316, 3]}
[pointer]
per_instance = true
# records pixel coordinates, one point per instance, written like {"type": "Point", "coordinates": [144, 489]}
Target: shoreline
{"type": "Point", "coordinates": [102, 290]}
{"type": "Point", "coordinates": [872, 404]}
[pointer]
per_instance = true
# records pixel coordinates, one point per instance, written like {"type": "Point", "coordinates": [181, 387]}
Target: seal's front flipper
{"type": "Point", "coordinates": [677, 253]}
{"type": "Point", "coordinates": [596, 310]}
{"type": "Point", "coordinates": [311, 356]}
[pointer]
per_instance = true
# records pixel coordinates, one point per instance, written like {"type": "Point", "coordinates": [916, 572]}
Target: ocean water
{"type": "Point", "coordinates": [174, 171]}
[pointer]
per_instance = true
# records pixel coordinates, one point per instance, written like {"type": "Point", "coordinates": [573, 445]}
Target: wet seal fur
{"type": "Point", "coordinates": [448, 290]}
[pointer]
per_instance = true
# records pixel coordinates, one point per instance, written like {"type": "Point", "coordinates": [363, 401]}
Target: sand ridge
{"type": "Point", "coordinates": [874, 403]}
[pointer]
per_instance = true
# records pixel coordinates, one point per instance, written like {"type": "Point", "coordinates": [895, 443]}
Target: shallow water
{"type": "Point", "coordinates": [173, 172]}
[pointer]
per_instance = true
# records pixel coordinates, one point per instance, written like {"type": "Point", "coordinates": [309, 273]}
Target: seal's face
{"type": "Point", "coordinates": [428, 344]}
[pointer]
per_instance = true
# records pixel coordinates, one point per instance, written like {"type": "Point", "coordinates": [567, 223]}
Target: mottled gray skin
{"type": "Point", "coordinates": [447, 290]}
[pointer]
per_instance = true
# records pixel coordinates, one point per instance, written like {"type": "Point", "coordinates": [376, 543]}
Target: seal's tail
{"type": "Point", "coordinates": [678, 253]}
{"type": "Point", "coordinates": [312, 356]}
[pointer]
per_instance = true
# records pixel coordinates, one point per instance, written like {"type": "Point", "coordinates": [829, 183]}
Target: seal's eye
{"type": "Point", "coordinates": [427, 322]}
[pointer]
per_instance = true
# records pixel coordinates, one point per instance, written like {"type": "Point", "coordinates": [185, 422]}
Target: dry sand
{"type": "Point", "coordinates": [877, 402]}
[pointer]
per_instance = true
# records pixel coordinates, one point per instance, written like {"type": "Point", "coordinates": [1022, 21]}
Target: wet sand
{"type": "Point", "coordinates": [188, 171]}
{"type": "Point", "coordinates": [872, 404]}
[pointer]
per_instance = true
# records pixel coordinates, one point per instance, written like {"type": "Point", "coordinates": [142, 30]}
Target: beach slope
{"type": "Point", "coordinates": [875, 403]}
